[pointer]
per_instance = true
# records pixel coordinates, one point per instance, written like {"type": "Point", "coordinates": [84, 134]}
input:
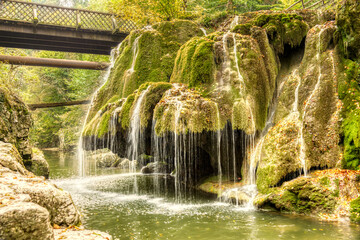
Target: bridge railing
{"type": "Point", "coordinates": [12, 10]}
{"type": "Point", "coordinates": [312, 4]}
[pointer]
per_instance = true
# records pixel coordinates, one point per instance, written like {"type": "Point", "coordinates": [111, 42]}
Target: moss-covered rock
{"type": "Point", "coordinates": [328, 194]}
{"type": "Point", "coordinates": [307, 127]}
{"type": "Point", "coordinates": [279, 154]}
{"type": "Point", "coordinates": [146, 55]}
{"type": "Point", "coordinates": [301, 196]}
{"type": "Point", "coordinates": [182, 110]}
{"type": "Point", "coordinates": [281, 28]}
{"type": "Point", "coordinates": [195, 63]}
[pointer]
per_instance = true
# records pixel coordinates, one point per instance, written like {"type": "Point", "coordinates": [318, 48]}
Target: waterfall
{"type": "Point", "coordinates": [234, 22]}
{"type": "Point", "coordinates": [177, 156]}
{"type": "Point", "coordinates": [317, 86]}
{"type": "Point", "coordinates": [218, 148]}
{"type": "Point", "coordinates": [242, 86]}
{"type": "Point", "coordinates": [204, 31]}
{"type": "Point", "coordinates": [135, 49]}
{"type": "Point", "coordinates": [135, 138]}
{"type": "Point", "coordinates": [80, 150]}
{"type": "Point", "coordinates": [226, 63]}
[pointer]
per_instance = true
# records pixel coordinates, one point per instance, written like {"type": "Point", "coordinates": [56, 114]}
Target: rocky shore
{"type": "Point", "coordinates": [34, 208]}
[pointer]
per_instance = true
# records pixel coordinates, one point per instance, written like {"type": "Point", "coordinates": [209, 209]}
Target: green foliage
{"type": "Point", "coordinates": [42, 84]}
{"type": "Point", "coordinates": [355, 210]}
{"type": "Point", "coordinates": [349, 93]}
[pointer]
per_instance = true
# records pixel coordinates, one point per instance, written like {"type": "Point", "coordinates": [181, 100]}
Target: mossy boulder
{"type": "Point", "coordinates": [279, 158]}
{"type": "Point", "coordinates": [301, 196]}
{"type": "Point", "coordinates": [328, 194]}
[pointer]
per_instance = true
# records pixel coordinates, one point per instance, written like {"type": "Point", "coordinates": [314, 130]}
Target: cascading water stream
{"type": "Point", "coordinates": [135, 138]}
{"type": "Point", "coordinates": [218, 149]}
{"type": "Point", "coordinates": [135, 48]}
{"type": "Point", "coordinates": [81, 151]}
{"type": "Point", "coordinates": [302, 154]}
{"type": "Point", "coordinates": [204, 31]}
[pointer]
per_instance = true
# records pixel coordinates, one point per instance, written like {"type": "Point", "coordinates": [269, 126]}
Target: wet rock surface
{"type": "Point", "coordinates": [328, 194]}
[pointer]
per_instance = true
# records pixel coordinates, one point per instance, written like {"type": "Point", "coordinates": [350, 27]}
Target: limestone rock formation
{"type": "Point", "coordinates": [29, 204]}
{"type": "Point", "coordinates": [15, 122]}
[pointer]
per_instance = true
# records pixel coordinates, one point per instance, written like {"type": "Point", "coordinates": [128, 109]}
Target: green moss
{"type": "Point", "coordinates": [302, 196]}
{"type": "Point", "coordinates": [125, 115]}
{"type": "Point", "coordinates": [283, 29]}
{"type": "Point", "coordinates": [195, 114]}
{"type": "Point", "coordinates": [325, 181]}
{"type": "Point", "coordinates": [103, 127]}
{"type": "Point", "coordinates": [349, 93]}
{"type": "Point", "coordinates": [152, 97]}
{"type": "Point", "coordinates": [355, 210]}
{"type": "Point", "coordinates": [194, 63]}
{"type": "Point", "coordinates": [280, 153]}
{"type": "Point", "coordinates": [156, 50]}
{"type": "Point", "coordinates": [243, 29]}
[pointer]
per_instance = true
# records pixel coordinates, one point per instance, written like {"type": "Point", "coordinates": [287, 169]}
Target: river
{"type": "Point", "coordinates": [107, 203]}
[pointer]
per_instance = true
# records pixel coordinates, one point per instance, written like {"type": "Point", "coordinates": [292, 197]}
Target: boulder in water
{"type": "Point", "coordinates": [155, 167]}
{"type": "Point", "coordinates": [38, 164]}
{"type": "Point", "coordinates": [127, 164]}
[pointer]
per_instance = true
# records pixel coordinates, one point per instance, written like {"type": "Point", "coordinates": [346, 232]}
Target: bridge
{"type": "Point", "coordinates": [313, 4]}
{"type": "Point", "coordinates": [44, 27]}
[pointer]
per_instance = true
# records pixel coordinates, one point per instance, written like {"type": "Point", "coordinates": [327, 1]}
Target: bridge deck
{"type": "Point", "coordinates": [44, 27]}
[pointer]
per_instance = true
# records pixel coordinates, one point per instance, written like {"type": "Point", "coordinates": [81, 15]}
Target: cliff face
{"type": "Point", "coordinates": [263, 99]}
{"type": "Point", "coordinates": [15, 122]}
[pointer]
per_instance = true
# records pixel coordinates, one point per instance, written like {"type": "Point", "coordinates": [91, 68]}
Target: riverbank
{"type": "Point", "coordinates": [34, 208]}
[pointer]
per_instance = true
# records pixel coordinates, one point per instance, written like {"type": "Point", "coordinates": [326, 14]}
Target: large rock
{"type": "Point", "coordinates": [155, 167]}
{"type": "Point", "coordinates": [307, 118]}
{"type": "Point", "coordinates": [15, 122]}
{"type": "Point", "coordinates": [38, 164]}
{"type": "Point", "coordinates": [19, 185]}
{"type": "Point", "coordinates": [328, 194]}
{"type": "Point", "coordinates": [25, 220]}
